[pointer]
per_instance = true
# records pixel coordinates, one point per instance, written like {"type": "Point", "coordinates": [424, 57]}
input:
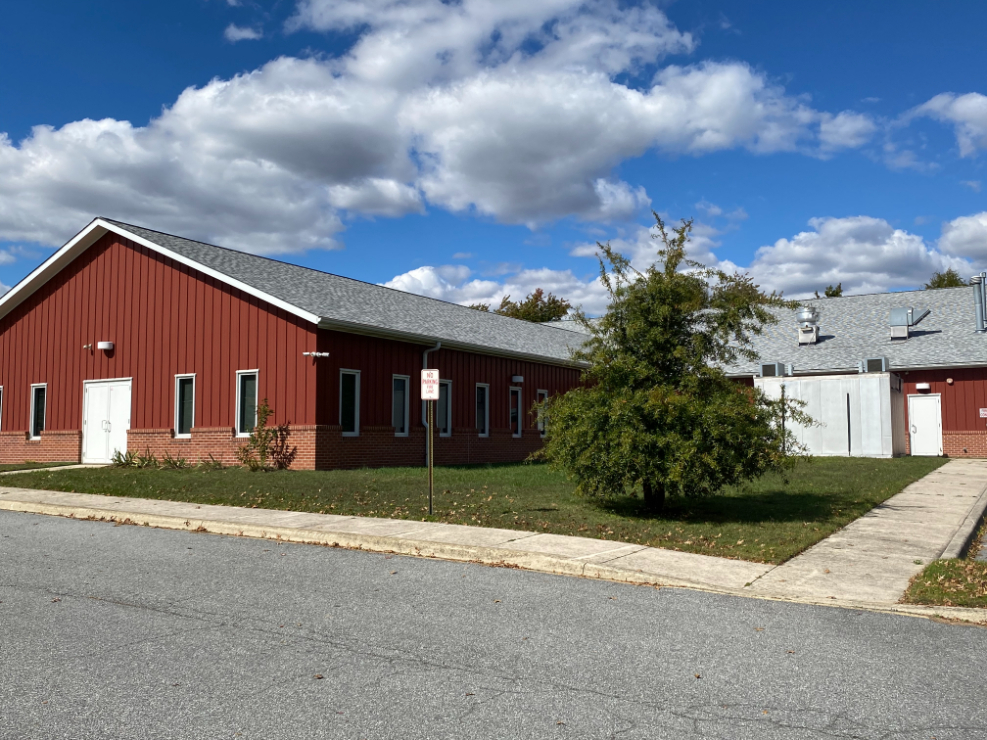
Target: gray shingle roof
{"type": "Point", "coordinates": [348, 303]}
{"type": "Point", "coordinates": [858, 327]}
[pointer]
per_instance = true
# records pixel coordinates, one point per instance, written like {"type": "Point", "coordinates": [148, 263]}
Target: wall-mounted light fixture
{"type": "Point", "coordinates": [88, 347]}
{"type": "Point", "coordinates": [105, 346]}
{"type": "Point", "coordinates": [315, 354]}
{"type": "Point", "coordinates": [517, 378]}
{"type": "Point", "coordinates": [922, 387]}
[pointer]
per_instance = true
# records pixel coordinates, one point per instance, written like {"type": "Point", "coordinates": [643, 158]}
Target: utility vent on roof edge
{"type": "Point", "coordinates": [873, 365]}
{"type": "Point", "coordinates": [776, 370]}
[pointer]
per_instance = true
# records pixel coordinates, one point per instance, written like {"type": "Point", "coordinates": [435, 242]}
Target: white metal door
{"type": "Point", "coordinates": [119, 418]}
{"type": "Point", "coordinates": [105, 419]}
{"type": "Point", "coordinates": [925, 425]}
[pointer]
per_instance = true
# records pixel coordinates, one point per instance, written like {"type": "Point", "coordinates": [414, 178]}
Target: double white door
{"type": "Point", "coordinates": [925, 425]}
{"type": "Point", "coordinates": [105, 419]}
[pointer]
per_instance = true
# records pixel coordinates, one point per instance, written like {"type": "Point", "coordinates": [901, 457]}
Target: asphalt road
{"type": "Point", "coordinates": [126, 632]}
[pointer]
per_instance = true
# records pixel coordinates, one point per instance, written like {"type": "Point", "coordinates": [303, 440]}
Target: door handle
{"type": "Point", "coordinates": [109, 426]}
{"type": "Point", "coordinates": [914, 429]}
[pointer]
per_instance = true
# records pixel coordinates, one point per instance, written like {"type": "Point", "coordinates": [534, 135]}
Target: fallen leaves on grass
{"type": "Point", "coordinates": [950, 583]}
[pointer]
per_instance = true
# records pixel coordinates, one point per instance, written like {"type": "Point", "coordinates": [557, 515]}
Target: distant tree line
{"type": "Point", "coordinates": [537, 307]}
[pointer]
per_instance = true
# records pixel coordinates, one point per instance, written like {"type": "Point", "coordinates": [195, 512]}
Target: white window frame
{"type": "Point", "coordinates": [44, 420]}
{"type": "Point", "coordinates": [186, 376]}
{"type": "Point", "coordinates": [520, 407]}
{"type": "Point", "coordinates": [486, 411]}
{"type": "Point", "coordinates": [356, 407]}
{"type": "Point", "coordinates": [236, 420]}
{"type": "Point", "coordinates": [407, 404]}
{"type": "Point", "coordinates": [1, 408]}
{"type": "Point", "coordinates": [448, 419]}
{"type": "Point", "coordinates": [541, 395]}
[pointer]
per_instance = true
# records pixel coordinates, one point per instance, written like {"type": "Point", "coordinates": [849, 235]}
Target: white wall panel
{"type": "Point", "coordinates": [855, 415]}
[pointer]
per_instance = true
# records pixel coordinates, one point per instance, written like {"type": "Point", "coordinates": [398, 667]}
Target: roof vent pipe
{"type": "Point", "coordinates": [978, 296]}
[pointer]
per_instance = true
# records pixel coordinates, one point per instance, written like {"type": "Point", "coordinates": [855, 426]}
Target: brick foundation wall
{"type": "Point", "coordinates": [958, 444]}
{"type": "Point", "coordinates": [220, 442]}
{"type": "Point", "coordinates": [54, 446]}
{"type": "Point", "coordinates": [325, 447]}
{"type": "Point", "coordinates": [964, 444]}
{"type": "Point", "coordinates": [315, 447]}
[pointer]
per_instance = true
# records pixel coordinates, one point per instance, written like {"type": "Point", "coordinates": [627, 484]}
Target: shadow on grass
{"type": "Point", "coordinates": [751, 508]}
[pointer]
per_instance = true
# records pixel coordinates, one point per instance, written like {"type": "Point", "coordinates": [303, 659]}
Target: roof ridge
{"type": "Point", "coordinates": [321, 272]}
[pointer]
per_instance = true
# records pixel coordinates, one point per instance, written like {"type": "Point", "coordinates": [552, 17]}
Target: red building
{"type": "Point", "coordinates": [932, 345]}
{"type": "Point", "coordinates": [127, 338]}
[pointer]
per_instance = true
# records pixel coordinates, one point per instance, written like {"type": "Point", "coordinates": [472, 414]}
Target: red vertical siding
{"type": "Point", "coordinates": [164, 319]}
{"type": "Point", "coordinates": [961, 400]}
{"type": "Point", "coordinates": [380, 359]}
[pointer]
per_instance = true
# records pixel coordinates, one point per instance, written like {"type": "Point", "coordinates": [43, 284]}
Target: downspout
{"type": "Point", "coordinates": [437, 346]}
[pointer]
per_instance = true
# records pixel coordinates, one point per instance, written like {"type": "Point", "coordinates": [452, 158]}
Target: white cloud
{"type": "Point", "coordinates": [463, 255]}
{"type": "Point", "coordinates": [260, 162]}
{"type": "Point", "coordinates": [974, 185]}
{"type": "Point", "coordinates": [453, 283]}
{"type": "Point", "coordinates": [967, 113]}
{"type": "Point", "coordinates": [865, 254]}
{"type": "Point", "coordinates": [234, 33]}
{"type": "Point", "coordinates": [847, 130]}
{"type": "Point", "coordinates": [509, 108]}
{"type": "Point", "coordinates": [405, 43]}
{"type": "Point", "coordinates": [966, 237]}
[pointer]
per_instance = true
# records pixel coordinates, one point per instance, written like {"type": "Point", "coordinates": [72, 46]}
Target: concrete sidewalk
{"type": "Point", "coordinates": [873, 558]}
{"type": "Point", "coordinates": [866, 565]}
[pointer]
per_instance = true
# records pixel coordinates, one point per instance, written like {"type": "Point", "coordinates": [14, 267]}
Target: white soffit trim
{"type": "Point", "coordinates": [92, 233]}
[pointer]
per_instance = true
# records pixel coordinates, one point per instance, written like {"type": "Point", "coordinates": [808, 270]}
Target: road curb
{"type": "Point", "coordinates": [498, 557]}
{"type": "Point", "coordinates": [495, 557]}
{"type": "Point", "coordinates": [963, 538]}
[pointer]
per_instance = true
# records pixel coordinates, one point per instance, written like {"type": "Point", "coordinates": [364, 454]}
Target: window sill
{"type": "Point", "coordinates": [351, 434]}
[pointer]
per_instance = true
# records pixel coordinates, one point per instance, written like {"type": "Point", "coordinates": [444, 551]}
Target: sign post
{"type": "Point", "coordinates": [430, 394]}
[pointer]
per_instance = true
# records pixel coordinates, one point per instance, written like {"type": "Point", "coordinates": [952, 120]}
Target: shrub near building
{"type": "Point", "coordinates": [657, 410]}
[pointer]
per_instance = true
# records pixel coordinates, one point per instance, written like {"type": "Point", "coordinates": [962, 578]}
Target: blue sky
{"type": "Point", "coordinates": [469, 149]}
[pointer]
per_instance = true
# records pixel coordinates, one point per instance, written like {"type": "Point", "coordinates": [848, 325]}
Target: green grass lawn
{"type": "Point", "coordinates": [769, 520]}
{"type": "Point", "coordinates": [957, 582]}
{"type": "Point", "coordinates": [4, 467]}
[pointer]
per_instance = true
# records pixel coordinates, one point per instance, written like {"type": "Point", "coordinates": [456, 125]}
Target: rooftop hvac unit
{"type": "Point", "coordinates": [776, 370]}
{"type": "Point", "coordinates": [902, 319]}
{"type": "Point", "coordinates": [873, 365]}
{"type": "Point", "coordinates": [808, 318]}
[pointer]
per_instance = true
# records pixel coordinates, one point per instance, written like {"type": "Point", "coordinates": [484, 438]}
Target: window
{"type": "Point", "coordinates": [443, 412]}
{"type": "Point", "coordinates": [483, 409]}
{"type": "Point", "coordinates": [516, 412]}
{"type": "Point", "coordinates": [400, 404]}
{"type": "Point", "coordinates": [246, 402]}
{"type": "Point", "coordinates": [541, 397]}
{"type": "Point", "coordinates": [349, 402]}
{"type": "Point", "coordinates": [39, 397]}
{"type": "Point", "coordinates": [184, 405]}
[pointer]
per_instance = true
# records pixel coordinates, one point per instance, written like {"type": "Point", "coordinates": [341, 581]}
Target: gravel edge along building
{"type": "Point", "coordinates": [128, 338]}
